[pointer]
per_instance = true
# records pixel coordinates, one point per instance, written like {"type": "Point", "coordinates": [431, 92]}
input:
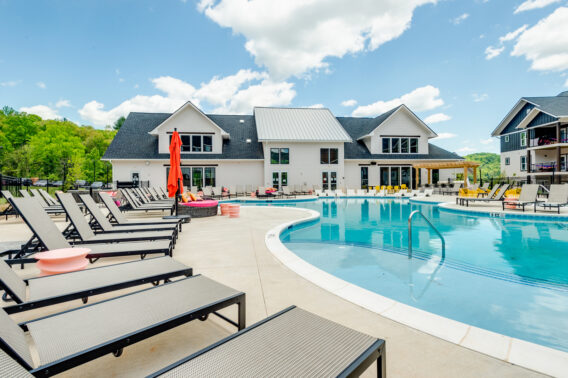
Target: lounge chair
{"type": "Point", "coordinates": [361, 192]}
{"type": "Point", "coordinates": [135, 205]}
{"type": "Point", "coordinates": [10, 209]}
{"type": "Point", "coordinates": [328, 193]}
{"type": "Point", "coordinates": [115, 215]}
{"type": "Point", "coordinates": [145, 199]}
{"type": "Point", "coordinates": [455, 189]}
{"type": "Point", "coordinates": [98, 218]}
{"type": "Point", "coordinates": [428, 192]}
{"type": "Point", "coordinates": [46, 236]}
{"type": "Point", "coordinates": [47, 197]}
{"type": "Point", "coordinates": [80, 229]}
{"type": "Point", "coordinates": [491, 194]}
{"type": "Point", "coordinates": [339, 193]}
{"type": "Point", "coordinates": [294, 343]}
{"type": "Point", "coordinates": [59, 288]}
{"type": "Point", "coordinates": [286, 192]}
{"type": "Point", "coordinates": [48, 209]}
{"type": "Point", "coordinates": [72, 338]}
{"type": "Point", "coordinates": [557, 197]}
{"type": "Point", "coordinates": [498, 196]}
{"type": "Point", "coordinates": [528, 196]}
{"type": "Point", "coordinates": [318, 193]}
{"type": "Point", "coordinates": [372, 192]}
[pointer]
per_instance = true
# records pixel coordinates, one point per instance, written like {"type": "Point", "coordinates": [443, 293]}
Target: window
{"type": "Point", "coordinates": [207, 143]}
{"type": "Point", "coordinates": [197, 177]}
{"type": "Point", "coordinates": [523, 163]}
{"type": "Point", "coordinates": [284, 178]}
{"type": "Point", "coordinates": [195, 143]}
{"type": "Point", "coordinates": [523, 139]}
{"type": "Point", "coordinates": [404, 145]}
{"type": "Point", "coordinates": [413, 145]}
{"type": "Point", "coordinates": [395, 145]}
{"type": "Point", "coordinates": [275, 180]}
{"type": "Point", "coordinates": [210, 176]}
{"type": "Point", "coordinates": [386, 146]}
{"type": "Point", "coordinates": [364, 177]}
{"type": "Point", "coordinates": [507, 161]}
{"type": "Point", "coordinates": [506, 139]}
{"type": "Point", "coordinates": [329, 156]}
{"type": "Point", "coordinates": [279, 156]}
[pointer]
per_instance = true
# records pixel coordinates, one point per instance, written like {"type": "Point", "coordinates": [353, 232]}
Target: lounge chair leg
{"type": "Point", "coordinates": [204, 317]}
{"type": "Point", "coordinates": [142, 257]}
{"type": "Point", "coordinates": [6, 297]}
{"type": "Point", "coordinates": [155, 283]}
{"type": "Point", "coordinates": [117, 353]}
{"type": "Point", "coordinates": [85, 300]}
{"type": "Point", "coordinates": [242, 314]}
{"type": "Point", "coordinates": [92, 261]}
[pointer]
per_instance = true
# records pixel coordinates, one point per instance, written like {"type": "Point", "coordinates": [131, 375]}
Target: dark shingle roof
{"type": "Point", "coordinates": [555, 105]}
{"type": "Point", "coordinates": [133, 141]}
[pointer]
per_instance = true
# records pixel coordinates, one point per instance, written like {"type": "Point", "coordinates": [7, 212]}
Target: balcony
{"type": "Point", "coordinates": [547, 167]}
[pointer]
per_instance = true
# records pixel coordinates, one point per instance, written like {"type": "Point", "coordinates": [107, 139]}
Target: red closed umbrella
{"type": "Point", "coordinates": [175, 176]}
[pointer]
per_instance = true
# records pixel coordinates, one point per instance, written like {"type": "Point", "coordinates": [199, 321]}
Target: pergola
{"type": "Point", "coordinates": [448, 165]}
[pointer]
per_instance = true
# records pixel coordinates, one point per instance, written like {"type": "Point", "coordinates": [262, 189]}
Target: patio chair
{"type": "Point", "coordinates": [528, 196]}
{"type": "Point", "coordinates": [339, 192]}
{"type": "Point", "coordinates": [328, 193]}
{"type": "Point", "coordinates": [497, 198]}
{"type": "Point", "coordinates": [80, 229]}
{"type": "Point", "coordinates": [372, 192]}
{"type": "Point", "coordinates": [292, 342]}
{"type": "Point", "coordinates": [318, 193]}
{"type": "Point", "coordinates": [72, 338]}
{"type": "Point", "coordinates": [240, 190]}
{"type": "Point", "coordinates": [208, 192]}
{"type": "Point", "coordinates": [65, 287]}
{"type": "Point", "coordinates": [455, 189]}
{"type": "Point", "coordinates": [116, 216]}
{"type": "Point", "coordinates": [135, 205]}
{"type": "Point", "coordinates": [103, 224]}
{"type": "Point", "coordinates": [46, 236]}
{"type": "Point", "coordinates": [557, 198]}
{"type": "Point", "coordinates": [287, 193]}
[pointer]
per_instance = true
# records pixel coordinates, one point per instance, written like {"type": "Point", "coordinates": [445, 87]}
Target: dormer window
{"type": "Point", "coordinates": [400, 145]}
{"type": "Point", "coordinates": [196, 142]}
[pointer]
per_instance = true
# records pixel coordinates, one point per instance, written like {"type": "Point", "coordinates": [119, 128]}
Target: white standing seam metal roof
{"type": "Point", "coordinates": [298, 124]}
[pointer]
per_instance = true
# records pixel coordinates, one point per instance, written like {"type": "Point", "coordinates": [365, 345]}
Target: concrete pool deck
{"type": "Point", "coordinates": [233, 252]}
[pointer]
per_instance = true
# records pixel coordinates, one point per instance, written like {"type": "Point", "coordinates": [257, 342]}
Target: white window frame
{"type": "Point", "coordinates": [523, 137]}
{"type": "Point", "coordinates": [523, 163]}
{"type": "Point", "coordinates": [506, 139]}
{"type": "Point", "coordinates": [507, 161]}
{"type": "Point", "coordinates": [191, 135]}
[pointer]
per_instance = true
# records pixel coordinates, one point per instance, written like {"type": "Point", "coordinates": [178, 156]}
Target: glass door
{"type": "Point", "coordinates": [364, 177]}
{"type": "Point", "coordinates": [395, 179]}
{"type": "Point", "coordinates": [276, 180]}
{"type": "Point", "coordinates": [385, 176]}
{"type": "Point", "coordinates": [197, 177]}
{"type": "Point", "coordinates": [405, 176]}
{"type": "Point", "coordinates": [324, 180]}
{"type": "Point", "coordinates": [333, 183]}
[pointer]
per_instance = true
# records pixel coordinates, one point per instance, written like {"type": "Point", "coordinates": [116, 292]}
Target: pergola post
{"type": "Point", "coordinates": [429, 176]}
{"type": "Point", "coordinates": [475, 175]}
{"type": "Point", "coordinates": [464, 176]}
{"type": "Point", "coordinates": [417, 177]}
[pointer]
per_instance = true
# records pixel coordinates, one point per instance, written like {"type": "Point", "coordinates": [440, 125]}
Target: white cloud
{"type": "Point", "coordinates": [121, 80]}
{"type": "Point", "coordinates": [480, 97]}
{"type": "Point", "coordinates": [11, 83]}
{"type": "Point", "coordinates": [420, 99]}
{"type": "Point", "coordinates": [445, 136]}
{"type": "Point", "coordinates": [43, 111]}
{"type": "Point", "coordinates": [465, 150]}
{"type": "Point", "coordinates": [487, 141]}
{"type": "Point", "coordinates": [316, 106]}
{"type": "Point", "coordinates": [534, 4]}
{"type": "Point", "coordinates": [493, 52]}
{"type": "Point", "coordinates": [235, 94]}
{"type": "Point", "coordinates": [545, 43]}
{"type": "Point", "coordinates": [459, 19]}
{"type": "Point", "coordinates": [513, 35]}
{"type": "Point", "coordinates": [438, 117]}
{"type": "Point", "coordinates": [566, 83]}
{"type": "Point", "coordinates": [41, 85]}
{"type": "Point", "coordinates": [63, 104]}
{"type": "Point", "coordinates": [349, 103]}
{"type": "Point", "coordinates": [294, 37]}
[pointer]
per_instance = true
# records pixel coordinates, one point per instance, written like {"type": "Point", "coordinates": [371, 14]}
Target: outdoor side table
{"type": "Point", "coordinates": [184, 218]}
{"type": "Point", "coordinates": [62, 260]}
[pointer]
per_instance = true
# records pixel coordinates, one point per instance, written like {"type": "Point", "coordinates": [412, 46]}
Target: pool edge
{"type": "Point", "coordinates": [512, 350]}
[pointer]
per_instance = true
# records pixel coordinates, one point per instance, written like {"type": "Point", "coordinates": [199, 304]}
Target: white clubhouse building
{"type": "Point", "coordinates": [277, 147]}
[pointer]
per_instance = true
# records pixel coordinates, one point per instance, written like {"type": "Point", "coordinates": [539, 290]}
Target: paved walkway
{"type": "Point", "coordinates": [233, 252]}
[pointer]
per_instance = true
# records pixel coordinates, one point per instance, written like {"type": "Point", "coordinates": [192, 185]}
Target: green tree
{"type": "Point", "coordinates": [118, 124]}
{"type": "Point", "coordinates": [490, 164]}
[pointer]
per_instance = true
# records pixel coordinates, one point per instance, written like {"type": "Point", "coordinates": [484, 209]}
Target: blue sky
{"type": "Point", "coordinates": [460, 65]}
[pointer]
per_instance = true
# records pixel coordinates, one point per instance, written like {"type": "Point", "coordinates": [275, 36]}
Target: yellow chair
{"type": "Point", "coordinates": [396, 189]}
{"type": "Point", "coordinates": [403, 186]}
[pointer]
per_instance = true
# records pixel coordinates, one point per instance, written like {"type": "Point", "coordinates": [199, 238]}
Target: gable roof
{"type": "Point", "coordinates": [133, 140]}
{"type": "Point", "coordinates": [298, 125]}
{"type": "Point", "coordinates": [555, 106]}
{"type": "Point", "coordinates": [185, 106]}
{"type": "Point", "coordinates": [357, 127]}
{"type": "Point", "coordinates": [379, 120]}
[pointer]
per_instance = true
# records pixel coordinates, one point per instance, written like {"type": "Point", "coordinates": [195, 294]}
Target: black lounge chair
{"type": "Point", "coordinates": [146, 200]}
{"type": "Point", "coordinates": [460, 200]}
{"type": "Point", "coordinates": [52, 210]}
{"type": "Point", "coordinates": [72, 338]}
{"type": "Point", "coordinates": [79, 227]}
{"type": "Point", "coordinates": [136, 205]}
{"type": "Point", "coordinates": [293, 343]}
{"type": "Point", "coordinates": [498, 197]}
{"type": "Point", "coordinates": [528, 196]}
{"type": "Point", "coordinates": [557, 198]}
{"type": "Point", "coordinates": [59, 288]}
{"type": "Point", "coordinates": [115, 215]}
{"type": "Point", "coordinates": [103, 224]}
{"type": "Point", "coordinates": [455, 189]}
{"type": "Point", "coordinates": [10, 209]}
{"type": "Point", "coordinates": [48, 237]}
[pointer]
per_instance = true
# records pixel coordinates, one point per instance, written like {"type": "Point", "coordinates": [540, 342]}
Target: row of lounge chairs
{"type": "Point", "coordinates": [292, 341]}
{"type": "Point", "coordinates": [422, 192]}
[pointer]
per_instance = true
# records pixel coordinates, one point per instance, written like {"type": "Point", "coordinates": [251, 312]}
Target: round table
{"type": "Point", "coordinates": [62, 260]}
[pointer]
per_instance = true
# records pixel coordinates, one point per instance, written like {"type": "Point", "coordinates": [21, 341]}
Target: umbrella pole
{"type": "Point", "coordinates": [177, 195]}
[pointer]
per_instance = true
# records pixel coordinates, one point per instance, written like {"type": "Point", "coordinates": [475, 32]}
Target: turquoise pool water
{"type": "Point", "coordinates": [506, 275]}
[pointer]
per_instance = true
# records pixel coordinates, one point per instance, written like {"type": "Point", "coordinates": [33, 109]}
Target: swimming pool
{"type": "Point", "coordinates": [508, 276]}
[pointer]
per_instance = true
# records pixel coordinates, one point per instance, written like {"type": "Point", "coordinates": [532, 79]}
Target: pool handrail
{"type": "Point", "coordinates": [431, 225]}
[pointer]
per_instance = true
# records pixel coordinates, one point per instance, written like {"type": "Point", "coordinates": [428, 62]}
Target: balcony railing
{"type": "Point", "coordinates": [549, 166]}
{"type": "Point", "coordinates": [546, 141]}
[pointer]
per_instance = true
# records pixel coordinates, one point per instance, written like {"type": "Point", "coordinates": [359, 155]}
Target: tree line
{"type": "Point", "coordinates": [53, 149]}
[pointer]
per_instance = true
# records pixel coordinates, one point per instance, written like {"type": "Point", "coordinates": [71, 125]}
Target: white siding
{"type": "Point", "coordinates": [401, 123]}
{"type": "Point", "coordinates": [514, 168]}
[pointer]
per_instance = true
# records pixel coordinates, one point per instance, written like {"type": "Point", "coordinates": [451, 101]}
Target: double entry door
{"type": "Point", "coordinates": [329, 180]}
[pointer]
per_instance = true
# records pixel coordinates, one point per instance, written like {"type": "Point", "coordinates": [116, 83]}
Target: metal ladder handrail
{"type": "Point", "coordinates": [431, 225]}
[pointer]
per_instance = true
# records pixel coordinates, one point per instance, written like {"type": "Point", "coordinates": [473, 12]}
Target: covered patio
{"type": "Point", "coordinates": [466, 165]}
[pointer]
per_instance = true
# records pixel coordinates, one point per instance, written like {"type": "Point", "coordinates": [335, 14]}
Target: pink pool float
{"type": "Point", "coordinates": [62, 260]}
